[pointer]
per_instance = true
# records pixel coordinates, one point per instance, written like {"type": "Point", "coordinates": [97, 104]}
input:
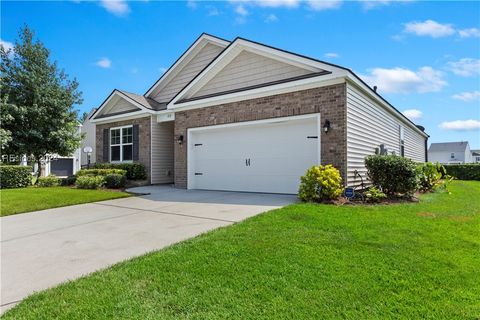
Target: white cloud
{"type": "Point", "coordinates": [467, 96]}
{"type": "Point", "coordinates": [461, 125]}
{"type": "Point", "coordinates": [319, 5]}
{"type": "Point", "coordinates": [6, 45]}
{"type": "Point", "coordinates": [116, 7]}
{"type": "Point", "coordinates": [465, 67]}
{"type": "Point", "coordinates": [192, 4]}
{"type": "Point", "coordinates": [469, 33]}
{"type": "Point", "coordinates": [271, 18]}
{"type": "Point", "coordinates": [275, 3]}
{"type": "Point", "coordinates": [400, 80]}
{"type": "Point", "coordinates": [429, 28]}
{"type": "Point", "coordinates": [240, 10]}
{"type": "Point", "coordinates": [134, 70]}
{"type": "Point", "coordinates": [212, 11]}
{"type": "Point", "coordinates": [104, 63]}
{"type": "Point", "coordinates": [162, 70]}
{"type": "Point", "coordinates": [413, 114]}
{"type": "Point", "coordinates": [331, 55]}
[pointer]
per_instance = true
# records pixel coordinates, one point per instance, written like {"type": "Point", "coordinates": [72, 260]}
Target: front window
{"type": "Point", "coordinates": [121, 144]}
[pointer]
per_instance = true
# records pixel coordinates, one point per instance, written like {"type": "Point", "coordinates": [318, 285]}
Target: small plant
{"type": "Point", "coordinates": [90, 182]}
{"type": "Point", "coordinates": [135, 171]}
{"type": "Point", "coordinates": [115, 181]}
{"type": "Point", "coordinates": [320, 183]}
{"type": "Point", "coordinates": [394, 174]}
{"type": "Point", "coordinates": [375, 195]}
{"type": "Point", "coordinates": [68, 181]}
{"type": "Point", "coordinates": [429, 176]}
{"type": "Point", "coordinates": [15, 176]}
{"type": "Point", "coordinates": [48, 181]}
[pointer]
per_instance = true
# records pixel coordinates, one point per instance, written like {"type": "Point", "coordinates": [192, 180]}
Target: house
{"type": "Point", "coordinates": [450, 152]}
{"type": "Point", "coordinates": [475, 156]}
{"type": "Point", "coordinates": [244, 116]}
{"type": "Point", "coordinates": [88, 129]}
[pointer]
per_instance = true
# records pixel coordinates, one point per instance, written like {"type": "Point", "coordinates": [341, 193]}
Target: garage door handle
{"type": "Point", "coordinates": [247, 162]}
{"type": "Point", "coordinates": [312, 137]}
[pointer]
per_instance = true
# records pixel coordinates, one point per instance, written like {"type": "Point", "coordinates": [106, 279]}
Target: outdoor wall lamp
{"type": "Point", "coordinates": [180, 139]}
{"type": "Point", "coordinates": [326, 126]}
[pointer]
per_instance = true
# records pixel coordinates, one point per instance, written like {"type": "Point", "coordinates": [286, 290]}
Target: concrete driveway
{"type": "Point", "coordinates": [44, 248]}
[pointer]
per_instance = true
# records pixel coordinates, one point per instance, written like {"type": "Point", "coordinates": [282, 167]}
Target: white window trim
{"type": "Point", "coordinates": [121, 144]}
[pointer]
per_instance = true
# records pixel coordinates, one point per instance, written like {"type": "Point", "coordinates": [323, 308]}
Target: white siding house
{"type": "Point", "coordinates": [450, 152]}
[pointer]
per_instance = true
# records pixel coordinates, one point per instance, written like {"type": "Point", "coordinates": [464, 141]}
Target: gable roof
{"type": "Point", "coordinates": [340, 71]}
{"type": "Point", "coordinates": [460, 146]}
{"type": "Point", "coordinates": [235, 48]}
{"type": "Point", "coordinates": [142, 103]}
{"type": "Point", "coordinates": [202, 40]}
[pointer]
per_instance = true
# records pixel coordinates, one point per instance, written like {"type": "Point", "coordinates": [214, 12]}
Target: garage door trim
{"type": "Point", "coordinates": [190, 131]}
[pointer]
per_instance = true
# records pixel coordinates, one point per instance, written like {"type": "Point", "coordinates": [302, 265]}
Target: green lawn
{"type": "Point", "coordinates": [305, 261]}
{"type": "Point", "coordinates": [13, 201]}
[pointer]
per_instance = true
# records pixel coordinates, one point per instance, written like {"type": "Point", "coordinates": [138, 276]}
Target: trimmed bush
{"type": "Point", "coordinates": [464, 171]}
{"type": "Point", "coordinates": [68, 181]}
{"type": "Point", "coordinates": [394, 174]}
{"type": "Point", "coordinates": [429, 176]}
{"type": "Point", "coordinates": [15, 176]}
{"type": "Point", "coordinates": [320, 183]}
{"type": "Point", "coordinates": [99, 172]}
{"type": "Point", "coordinates": [90, 182]}
{"type": "Point", "coordinates": [135, 171]}
{"type": "Point", "coordinates": [48, 181]}
{"type": "Point", "coordinates": [115, 181]}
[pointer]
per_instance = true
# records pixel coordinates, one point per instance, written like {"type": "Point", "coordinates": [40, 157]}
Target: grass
{"type": "Point", "coordinates": [22, 200]}
{"type": "Point", "coordinates": [304, 261]}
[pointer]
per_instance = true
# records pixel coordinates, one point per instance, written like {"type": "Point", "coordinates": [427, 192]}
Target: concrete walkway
{"type": "Point", "coordinates": [44, 248]}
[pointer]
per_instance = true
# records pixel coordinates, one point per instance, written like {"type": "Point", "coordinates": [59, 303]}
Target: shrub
{"type": "Point", "coordinates": [320, 183]}
{"type": "Point", "coordinates": [48, 181]}
{"type": "Point", "coordinates": [135, 171]}
{"type": "Point", "coordinates": [68, 181]}
{"type": "Point", "coordinates": [394, 174]}
{"type": "Point", "coordinates": [464, 171]}
{"type": "Point", "coordinates": [429, 176]}
{"type": "Point", "coordinates": [115, 181]}
{"type": "Point", "coordinates": [90, 182]}
{"type": "Point", "coordinates": [99, 172]}
{"type": "Point", "coordinates": [15, 176]}
{"type": "Point", "coordinates": [374, 195]}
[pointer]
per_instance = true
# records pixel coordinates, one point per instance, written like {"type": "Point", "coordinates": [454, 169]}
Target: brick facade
{"type": "Point", "coordinates": [329, 101]}
{"type": "Point", "coordinates": [143, 136]}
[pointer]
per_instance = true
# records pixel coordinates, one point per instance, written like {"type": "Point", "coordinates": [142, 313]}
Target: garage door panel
{"type": "Point", "coordinates": [257, 157]}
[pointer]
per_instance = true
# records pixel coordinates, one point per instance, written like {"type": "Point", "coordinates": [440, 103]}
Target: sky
{"type": "Point", "coordinates": [423, 56]}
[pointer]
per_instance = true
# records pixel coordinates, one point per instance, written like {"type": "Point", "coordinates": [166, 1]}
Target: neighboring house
{"type": "Point", "coordinates": [450, 152]}
{"type": "Point", "coordinates": [475, 156]}
{"type": "Point", "coordinates": [88, 128]}
{"type": "Point", "coordinates": [244, 116]}
{"type": "Point", "coordinates": [61, 166]}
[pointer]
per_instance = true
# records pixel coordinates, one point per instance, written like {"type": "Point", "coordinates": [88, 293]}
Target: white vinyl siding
{"type": "Point", "coordinates": [248, 69]}
{"type": "Point", "coordinates": [162, 151]}
{"type": "Point", "coordinates": [189, 71]}
{"type": "Point", "coordinates": [368, 126]}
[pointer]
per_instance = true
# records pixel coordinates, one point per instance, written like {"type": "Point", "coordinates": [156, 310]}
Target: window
{"type": "Point", "coordinates": [452, 155]}
{"type": "Point", "coordinates": [121, 144]}
{"type": "Point", "coordinates": [402, 142]}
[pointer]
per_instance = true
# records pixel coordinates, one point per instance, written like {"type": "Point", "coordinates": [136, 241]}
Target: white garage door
{"type": "Point", "coordinates": [259, 156]}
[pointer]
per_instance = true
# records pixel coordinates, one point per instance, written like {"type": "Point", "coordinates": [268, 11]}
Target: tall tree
{"type": "Point", "coordinates": [37, 100]}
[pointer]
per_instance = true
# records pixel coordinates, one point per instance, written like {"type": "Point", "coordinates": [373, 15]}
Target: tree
{"type": "Point", "coordinates": [37, 100]}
